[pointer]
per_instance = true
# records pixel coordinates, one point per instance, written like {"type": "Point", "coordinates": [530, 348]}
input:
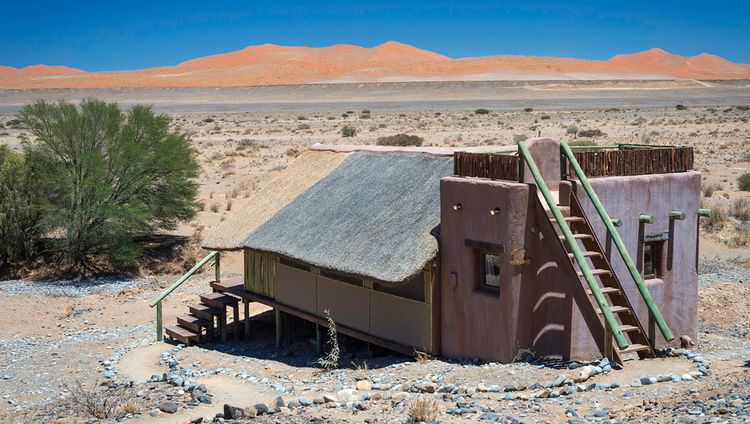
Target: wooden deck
{"type": "Point", "coordinates": [237, 288]}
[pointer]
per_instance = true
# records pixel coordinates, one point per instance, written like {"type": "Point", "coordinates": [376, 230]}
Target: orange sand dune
{"type": "Point", "coordinates": [270, 64]}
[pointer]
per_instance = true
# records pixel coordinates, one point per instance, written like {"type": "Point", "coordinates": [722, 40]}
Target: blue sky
{"type": "Point", "coordinates": [114, 34]}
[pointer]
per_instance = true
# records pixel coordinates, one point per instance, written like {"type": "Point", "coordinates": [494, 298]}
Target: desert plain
{"type": "Point", "coordinates": [58, 336]}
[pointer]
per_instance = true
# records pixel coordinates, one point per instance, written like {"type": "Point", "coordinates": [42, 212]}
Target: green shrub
{"type": "Point", "coordinates": [400, 140]}
{"type": "Point", "coordinates": [743, 108]}
{"type": "Point", "coordinates": [20, 208]}
{"type": "Point", "coordinates": [680, 107]}
{"type": "Point", "coordinates": [528, 109]}
{"type": "Point", "coordinates": [482, 111]}
{"type": "Point", "coordinates": [108, 176]}
{"type": "Point", "coordinates": [517, 138]}
{"type": "Point", "coordinates": [572, 130]}
{"type": "Point", "coordinates": [348, 131]}
{"type": "Point", "coordinates": [585, 143]}
{"type": "Point", "coordinates": [743, 182]}
{"type": "Point", "coordinates": [591, 133]}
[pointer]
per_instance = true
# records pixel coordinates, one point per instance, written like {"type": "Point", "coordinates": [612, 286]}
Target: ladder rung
{"type": "Point", "coordinates": [635, 348]}
{"type": "Point", "coordinates": [617, 309]}
{"type": "Point", "coordinates": [626, 328]}
{"type": "Point", "coordinates": [579, 236]}
{"type": "Point", "coordinates": [597, 272]}
{"type": "Point", "coordinates": [570, 219]}
{"type": "Point", "coordinates": [586, 254]}
{"type": "Point", "coordinates": [606, 290]}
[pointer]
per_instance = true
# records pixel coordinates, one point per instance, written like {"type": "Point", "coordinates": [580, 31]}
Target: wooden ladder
{"type": "Point", "coordinates": [620, 305]}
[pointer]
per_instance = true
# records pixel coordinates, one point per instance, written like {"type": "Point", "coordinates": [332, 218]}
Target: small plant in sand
{"type": "Point", "coordinates": [743, 182]}
{"type": "Point", "coordinates": [571, 130]}
{"type": "Point", "coordinates": [331, 360]}
{"type": "Point", "coordinates": [528, 109]}
{"type": "Point", "coordinates": [716, 221]}
{"type": "Point", "coordinates": [591, 133]}
{"type": "Point", "coordinates": [482, 111]}
{"type": "Point", "coordinates": [424, 410]}
{"type": "Point", "coordinates": [422, 357]}
{"type": "Point", "coordinates": [400, 140]}
{"type": "Point", "coordinates": [680, 107]}
{"type": "Point", "coordinates": [348, 131]}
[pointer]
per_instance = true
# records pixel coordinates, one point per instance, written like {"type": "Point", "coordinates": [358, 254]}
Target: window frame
{"type": "Point", "coordinates": [482, 284]}
{"type": "Point", "coordinates": [656, 255]}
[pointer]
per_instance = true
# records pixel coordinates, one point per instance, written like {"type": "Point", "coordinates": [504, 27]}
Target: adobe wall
{"type": "Point", "coordinates": [475, 322]}
{"type": "Point", "coordinates": [543, 306]}
{"type": "Point", "coordinates": [625, 198]}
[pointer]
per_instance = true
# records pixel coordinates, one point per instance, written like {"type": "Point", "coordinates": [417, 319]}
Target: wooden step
{"type": "Point", "coordinates": [219, 300]}
{"type": "Point", "coordinates": [232, 286]}
{"type": "Point", "coordinates": [193, 323]}
{"type": "Point", "coordinates": [204, 311]}
{"type": "Point", "coordinates": [578, 236]}
{"type": "Point", "coordinates": [635, 348]}
{"type": "Point", "coordinates": [586, 254]}
{"type": "Point", "coordinates": [597, 272]}
{"type": "Point", "coordinates": [617, 309]}
{"type": "Point", "coordinates": [606, 290]}
{"type": "Point", "coordinates": [569, 219]}
{"type": "Point", "coordinates": [627, 328]}
{"type": "Point", "coordinates": [182, 334]}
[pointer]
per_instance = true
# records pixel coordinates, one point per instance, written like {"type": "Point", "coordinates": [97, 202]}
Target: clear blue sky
{"type": "Point", "coordinates": [114, 34]}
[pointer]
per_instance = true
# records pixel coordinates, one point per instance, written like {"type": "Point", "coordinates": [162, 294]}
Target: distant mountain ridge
{"type": "Point", "coordinates": [270, 64]}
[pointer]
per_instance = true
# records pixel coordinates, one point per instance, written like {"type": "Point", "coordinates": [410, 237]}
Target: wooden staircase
{"type": "Point", "coordinates": [600, 267]}
{"type": "Point", "coordinates": [199, 324]}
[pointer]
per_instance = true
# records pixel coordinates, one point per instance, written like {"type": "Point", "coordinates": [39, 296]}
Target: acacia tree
{"type": "Point", "coordinates": [19, 208]}
{"type": "Point", "coordinates": [108, 176]}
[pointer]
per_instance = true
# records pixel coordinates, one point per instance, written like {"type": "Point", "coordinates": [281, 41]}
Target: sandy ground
{"type": "Point", "coordinates": [51, 338]}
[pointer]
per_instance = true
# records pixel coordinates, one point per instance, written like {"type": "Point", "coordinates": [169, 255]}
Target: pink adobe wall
{"type": "Point", "coordinates": [625, 198]}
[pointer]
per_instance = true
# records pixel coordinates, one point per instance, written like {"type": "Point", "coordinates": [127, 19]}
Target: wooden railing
{"type": "Point", "coordinates": [654, 313]}
{"type": "Point", "coordinates": [158, 301]}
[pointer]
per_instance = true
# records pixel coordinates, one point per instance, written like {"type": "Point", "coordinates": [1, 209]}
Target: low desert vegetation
{"type": "Point", "coordinates": [708, 189]}
{"type": "Point", "coordinates": [482, 111]}
{"type": "Point", "coordinates": [517, 138]}
{"type": "Point", "coordinates": [348, 131]}
{"type": "Point", "coordinates": [101, 402]}
{"type": "Point", "coordinates": [400, 140]}
{"type": "Point", "coordinates": [92, 180]}
{"type": "Point", "coordinates": [582, 143]}
{"type": "Point", "coordinates": [332, 359]}
{"type": "Point", "coordinates": [591, 133]}
{"type": "Point", "coordinates": [425, 409]}
{"type": "Point", "coordinates": [743, 182]}
{"type": "Point", "coordinates": [741, 208]}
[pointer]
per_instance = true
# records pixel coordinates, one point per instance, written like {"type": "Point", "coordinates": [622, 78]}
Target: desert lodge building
{"type": "Point", "coordinates": [471, 253]}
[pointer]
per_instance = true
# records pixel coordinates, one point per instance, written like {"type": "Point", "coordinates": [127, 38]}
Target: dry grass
{"type": "Point", "coordinates": [422, 357]}
{"type": "Point", "coordinates": [709, 188]}
{"type": "Point", "coordinates": [99, 403]}
{"type": "Point", "coordinates": [741, 208]}
{"type": "Point", "coordinates": [424, 409]}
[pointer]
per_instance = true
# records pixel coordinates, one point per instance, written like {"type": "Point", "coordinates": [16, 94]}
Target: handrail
{"type": "Point", "coordinates": [183, 278]}
{"type": "Point", "coordinates": [157, 302]}
{"type": "Point", "coordinates": [611, 321]}
{"type": "Point", "coordinates": [653, 309]}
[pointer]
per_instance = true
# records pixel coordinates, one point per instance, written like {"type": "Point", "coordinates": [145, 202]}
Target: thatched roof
{"type": "Point", "coordinates": [309, 168]}
{"type": "Point", "coordinates": [371, 216]}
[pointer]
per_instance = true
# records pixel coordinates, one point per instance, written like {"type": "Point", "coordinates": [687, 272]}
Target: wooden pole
{"type": "Point", "coordinates": [277, 315]}
{"type": "Point", "coordinates": [217, 267]}
{"type": "Point", "coordinates": [159, 331]}
{"type": "Point", "coordinates": [318, 339]}
{"type": "Point", "coordinates": [247, 318]}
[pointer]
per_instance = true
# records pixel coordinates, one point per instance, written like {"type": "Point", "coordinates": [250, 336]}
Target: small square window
{"type": "Point", "coordinates": [490, 270]}
{"type": "Point", "coordinates": [652, 252]}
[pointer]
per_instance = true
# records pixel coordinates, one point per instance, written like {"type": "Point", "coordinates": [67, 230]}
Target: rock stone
{"type": "Point", "coordinates": [330, 399]}
{"type": "Point", "coordinates": [364, 385]}
{"type": "Point", "coordinates": [304, 401]}
{"type": "Point", "coordinates": [584, 374]}
{"type": "Point", "coordinates": [168, 407]}
{"type": "Point", "coordinates": [278, 403]}
{"type": "Point", "coordinates": [234, 412]}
